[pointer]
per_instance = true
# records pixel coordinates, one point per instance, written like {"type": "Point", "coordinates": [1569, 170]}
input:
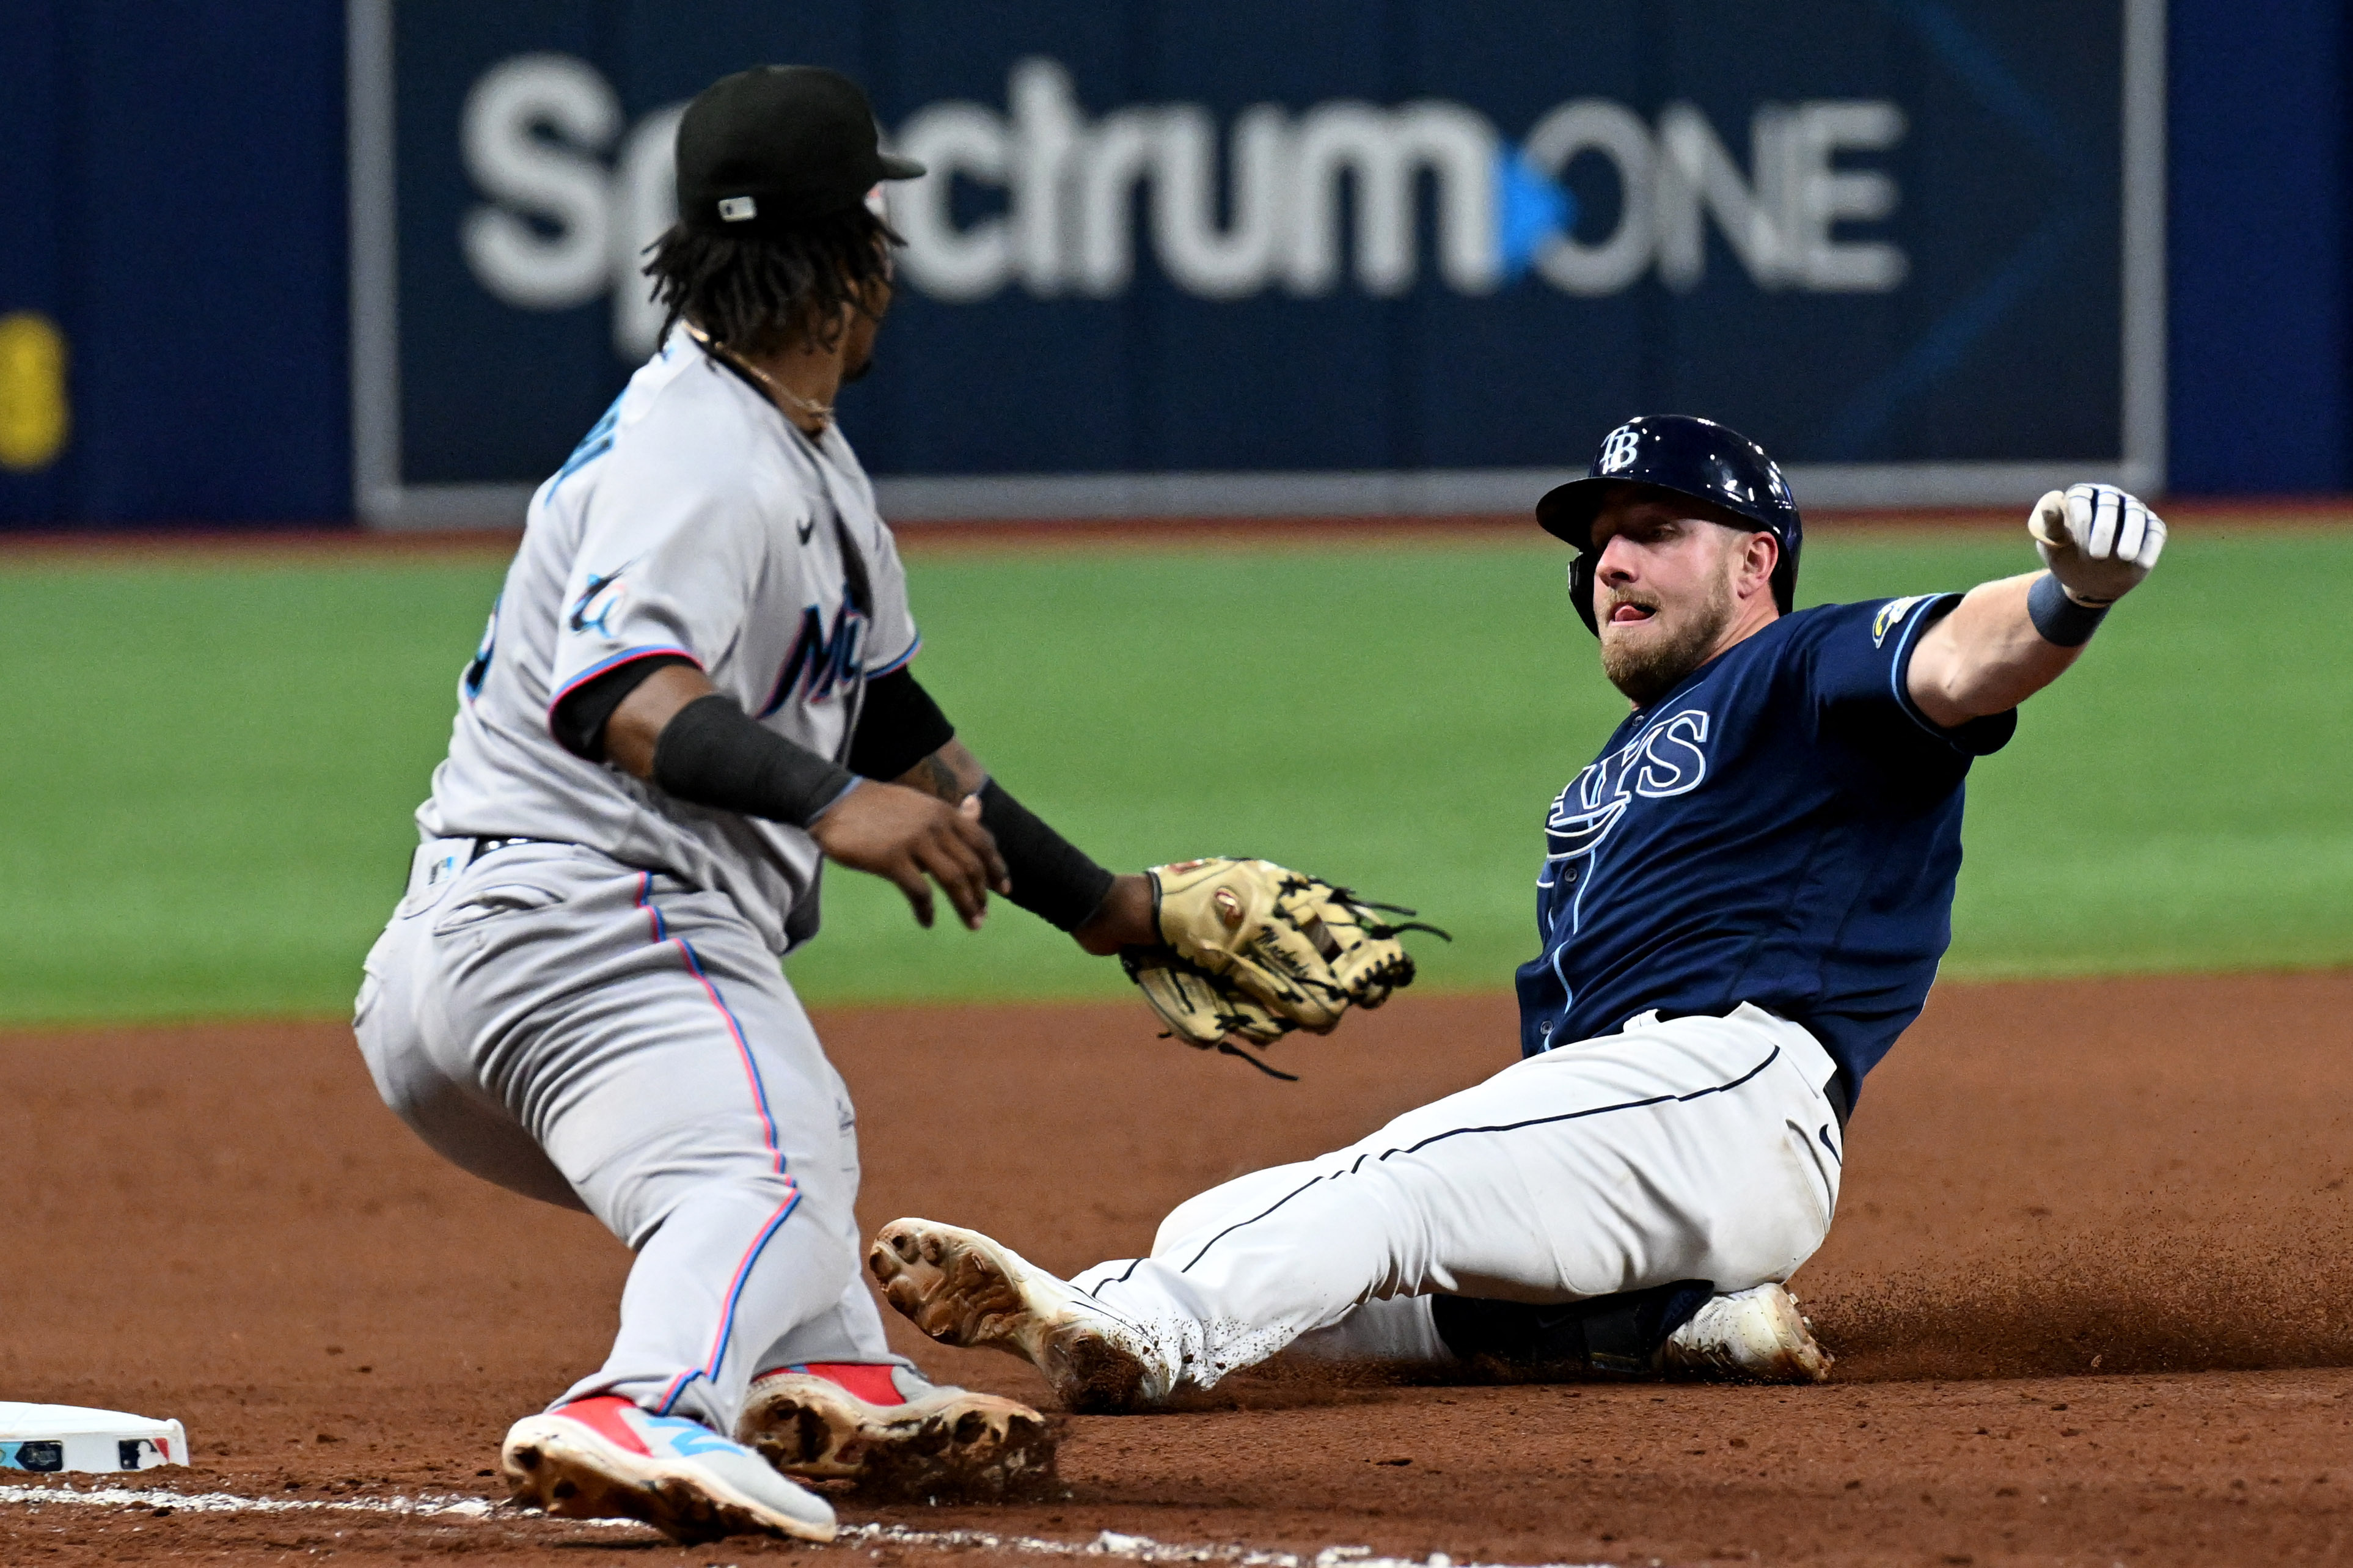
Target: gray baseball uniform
{"type": "Point", "coordinates": [578, 997]}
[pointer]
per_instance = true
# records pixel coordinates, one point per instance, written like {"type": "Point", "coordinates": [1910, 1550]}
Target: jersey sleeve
{"type": "Point", "coordinates": [663, 571]}
{"type": "Point", "coordinates": [893, 641]}
{"type": "Point", "coordinates": [1860, 671]}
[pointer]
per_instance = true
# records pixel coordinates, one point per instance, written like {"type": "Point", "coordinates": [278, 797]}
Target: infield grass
{"type": "Point", "coordinates": [205, 809]}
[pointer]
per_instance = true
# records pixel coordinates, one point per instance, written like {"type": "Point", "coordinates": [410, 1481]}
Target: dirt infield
{"type": "Point", "coordinates": [2091, 1290]}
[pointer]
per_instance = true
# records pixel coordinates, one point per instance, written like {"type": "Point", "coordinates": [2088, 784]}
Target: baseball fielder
{"type": "Point", "coordinates": [1742, 904]}
{"type": "Point", "coordinates": [694, 688]}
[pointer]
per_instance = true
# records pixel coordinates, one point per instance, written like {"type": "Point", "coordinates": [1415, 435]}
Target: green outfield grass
{"type": "Point", "coordinates": [205, 805]}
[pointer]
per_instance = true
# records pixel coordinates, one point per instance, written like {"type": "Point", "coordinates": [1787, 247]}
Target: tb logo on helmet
{"type": "Point", "coordinates": [1618, 451]}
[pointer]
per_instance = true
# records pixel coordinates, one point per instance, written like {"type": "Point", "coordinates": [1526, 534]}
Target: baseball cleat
{"type": "Point", "coordinates": [962, 1288]}
{"type": "Point", "coordinates": [606, 1459]}
{"type": "Point", "coordinates": [890, 1431]}
{"type": "Point", "coordinates": [1760, 1333]}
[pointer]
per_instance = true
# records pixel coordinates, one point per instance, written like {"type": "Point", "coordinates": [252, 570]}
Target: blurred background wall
{"type": "Point", "coordinates": [172, 196]}
{"type": "Point", "coordinates": [175, 303]}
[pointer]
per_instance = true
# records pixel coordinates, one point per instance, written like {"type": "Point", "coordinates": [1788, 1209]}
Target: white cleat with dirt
{"type": "Point", "coordinates": [962, 1289]}
{"type": "Point", "coordinates": [893, 1433]}
{"type": "Point", "coordinates": [606, 1459]}
{"type": "Point", "coordinates": [1760, 1334]}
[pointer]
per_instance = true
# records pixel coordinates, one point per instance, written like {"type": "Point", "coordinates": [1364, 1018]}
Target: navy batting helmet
{"type": "Point", "coordinates": [1697, 457]}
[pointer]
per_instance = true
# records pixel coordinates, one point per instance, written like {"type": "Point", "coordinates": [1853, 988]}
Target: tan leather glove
{"type": "Point", "coordinates": [1257, 950]}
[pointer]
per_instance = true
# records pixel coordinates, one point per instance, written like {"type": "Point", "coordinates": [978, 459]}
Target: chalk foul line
{"type": "Point", "coordinates": [452, 1506]}
{"type": "Point", "coordinates": [455, 1508]}
{"type": "Point", "coordinates": [1144, 1549]}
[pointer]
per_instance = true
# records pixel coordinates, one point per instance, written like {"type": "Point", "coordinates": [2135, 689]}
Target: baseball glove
{"type": "Point", "coordinates": [1257, 950]}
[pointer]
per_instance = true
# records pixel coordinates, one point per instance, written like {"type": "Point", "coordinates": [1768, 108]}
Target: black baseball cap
{"type": "Point", "coordinates": [776, 145]}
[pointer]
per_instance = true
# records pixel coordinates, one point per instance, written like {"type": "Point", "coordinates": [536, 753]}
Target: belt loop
{"type": "Point", "coordinates": [1834, 1087]}
{"type": "Point", "coordinates": [1835, 1092]}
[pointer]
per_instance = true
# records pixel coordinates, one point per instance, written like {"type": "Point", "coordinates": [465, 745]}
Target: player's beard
{"type": "Point", "coordinates": [1648, 668]}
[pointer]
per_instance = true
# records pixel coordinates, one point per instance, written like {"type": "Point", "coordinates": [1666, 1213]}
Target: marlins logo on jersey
{"type": "Point", "coordinates": [821, 663]}
{"type": "Point", "coordinates": [599, 602]}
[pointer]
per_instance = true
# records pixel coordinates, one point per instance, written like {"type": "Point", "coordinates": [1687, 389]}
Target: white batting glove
{"type": "Point", "coordinates": [2097, 541]}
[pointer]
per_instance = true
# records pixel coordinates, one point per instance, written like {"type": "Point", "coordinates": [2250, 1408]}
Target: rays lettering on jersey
{"type": "Point", "coordinates": [1666, 758]}
{"type": "Point", "coordinates": [820, 663]}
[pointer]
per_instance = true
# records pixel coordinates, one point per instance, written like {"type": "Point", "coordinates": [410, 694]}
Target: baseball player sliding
{"type": "Point", "coordinates": [1742, 904]}
{"type": "Point", "coordinates": [693, 689]}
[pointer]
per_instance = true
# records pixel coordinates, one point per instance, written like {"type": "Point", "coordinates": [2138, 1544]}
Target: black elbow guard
{"type": "Point", "coordinates": [712, 753]}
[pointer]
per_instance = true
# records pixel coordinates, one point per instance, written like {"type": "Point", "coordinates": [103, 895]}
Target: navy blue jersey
{"type": "Point", "coordinates": [1782, 828]}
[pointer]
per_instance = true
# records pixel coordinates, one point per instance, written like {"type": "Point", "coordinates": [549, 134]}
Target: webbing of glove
{"type": "Point", "coordinates": [1300, 948]}
{"type": "Point", "coordinates": [1365, 958]}
{"type": "Point", "coordinates": [1202, 1010]}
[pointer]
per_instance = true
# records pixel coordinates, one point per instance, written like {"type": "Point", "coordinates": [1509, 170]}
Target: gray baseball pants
{"type": "Point", "coordinates": [614, 1040]}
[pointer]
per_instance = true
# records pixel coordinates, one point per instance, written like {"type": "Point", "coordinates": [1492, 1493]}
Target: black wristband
{"type": "Point", "coordinates": [1052, 878]}
{"type": "Point", "coordinates": [712, 753]}
{"type": "Point", "coordinates": [2060, 621]}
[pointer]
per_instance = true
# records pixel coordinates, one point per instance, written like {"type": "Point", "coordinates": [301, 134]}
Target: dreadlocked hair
{"type": "Point", "coordinates": [755, 292]}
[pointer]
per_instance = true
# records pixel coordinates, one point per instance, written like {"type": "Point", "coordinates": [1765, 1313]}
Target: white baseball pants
{"type": "Point", "coordinates": [614, 1040]}
{"type": "Point", "coordinates": [1697, 1149]}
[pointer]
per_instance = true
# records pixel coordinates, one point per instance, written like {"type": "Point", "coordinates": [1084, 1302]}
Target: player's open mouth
{"type": "Point", "coordinates": [1627, 614]}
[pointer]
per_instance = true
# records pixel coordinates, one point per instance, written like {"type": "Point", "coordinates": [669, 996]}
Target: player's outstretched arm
{"type": "Point", "coordinates": [1055, 881]}
{"type": "Point", "coordinates": [2008, 639]}
{"type": "Point", "coordinates": [676, 731]}
{"type": "Point", "coordinates": [1220, 947]}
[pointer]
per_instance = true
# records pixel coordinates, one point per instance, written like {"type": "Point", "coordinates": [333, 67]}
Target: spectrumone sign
{"type": "Point", "coordinates": [1218, 258]}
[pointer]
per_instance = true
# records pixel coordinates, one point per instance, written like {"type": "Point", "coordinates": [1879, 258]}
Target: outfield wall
{"type": "Point", "coordinates": [1904, 243]}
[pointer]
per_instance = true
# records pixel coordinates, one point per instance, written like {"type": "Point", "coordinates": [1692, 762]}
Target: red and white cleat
{"type": "Point", "coordinates": [890, 1431]}
{"type": "Point", "coordinates": [606, 1459]}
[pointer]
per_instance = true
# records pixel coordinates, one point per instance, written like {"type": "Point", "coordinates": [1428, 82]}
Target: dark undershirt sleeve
{"type": "Point", "coordinates": [899, 726]}
{"type": "Point", "coordinates": [579, 720]}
